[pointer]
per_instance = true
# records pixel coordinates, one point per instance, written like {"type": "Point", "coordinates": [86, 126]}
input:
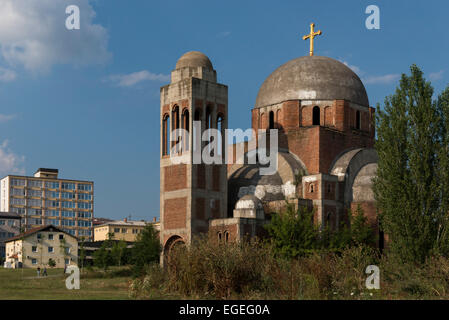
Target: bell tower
{"type": "Point", "coordinates": [191, 192]}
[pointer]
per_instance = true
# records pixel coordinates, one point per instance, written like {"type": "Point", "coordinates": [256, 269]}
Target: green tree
{"type": "Point", "coordinates": [146, 250]}
{"type": "Point", "coordinates": [361, 233]}
{"type": "Point", "coordinates": [82, 253]}
{"type": "Point", "coordinates": [408, 187]}
{"type": "Point", "coordinates": [443, 173]}
{"type": "Point", "coordinates": [102, 257]}
{"type": "Point", "coordinates": [118, 252]}
{"type": "Point", "coordinates": [51, 263]}
{"type": "Point", "coordinates": [293, 232]}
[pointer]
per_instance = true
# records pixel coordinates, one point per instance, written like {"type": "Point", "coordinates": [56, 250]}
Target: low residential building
{"type": "Point", "coordinates": [9, 227]}
{"type": "Point", "coordinates": [37, 247]}
{"type": "Point", "coordinates": [121, 229]}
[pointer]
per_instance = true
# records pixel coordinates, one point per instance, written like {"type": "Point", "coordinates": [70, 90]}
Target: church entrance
{"type": "Point", "coordinates": [174, 242]}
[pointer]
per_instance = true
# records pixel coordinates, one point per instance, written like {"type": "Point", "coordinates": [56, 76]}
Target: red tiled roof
{"type": "Point", "coordinates": [35, 230]}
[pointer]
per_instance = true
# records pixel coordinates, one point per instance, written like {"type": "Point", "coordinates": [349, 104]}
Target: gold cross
{"type": "Point", "coordinates": [311, 36]}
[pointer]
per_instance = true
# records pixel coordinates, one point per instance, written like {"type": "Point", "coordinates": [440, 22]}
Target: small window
{"type": "Point", "coordinates": [358, 120]}
{"type": "Point", "coordinates": [67, 250]}
{"type": "Point", "coordinates": [271, 120]}
{"type": "Point", "coordinates": [117, 230]}
{"type": "Point", "coordinates": [219, 236]}
{"type": "Point", "coordinates": [33, 249]}
{"type": "Point", "coordinates": [50, 249]}
{"type": "Point", "coordinates": [226, 236]}
{"type": "Point", "coordinates": [316, 116]}
{"type": "Point", "coordinates": [39, 236]}
{"type": "Point", "coordinates": [33, 261]}
{"type": "Point", "coordinates": [61, 237]}
{"type": "Point", "coordinates": [311, 188]}
{"type": "Point", "coordinates": [50, 237]}
{"type": "Point", "coordinates": [66, 261]}
{"type": "Point", "coordinates": [124, 230]}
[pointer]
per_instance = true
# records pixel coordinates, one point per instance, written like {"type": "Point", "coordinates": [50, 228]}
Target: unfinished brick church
{"type": "Point", "coordinates": [326, 158]}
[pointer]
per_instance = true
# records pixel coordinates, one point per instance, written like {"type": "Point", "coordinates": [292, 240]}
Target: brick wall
{"type": "Point", "coordinates": [200, 204]}
{"type": "Point", "coordinates": [200, 176]}
{"type": "Point", "coordinates": [231, 229]}
{"type": "Point", "coordinates": [308, 194]}
{"type": "Point", "coordinates": [216, 173]}
{"type": "Point", "coordinates": [175, 213]}
{"type": "Point", "coordinates": [329, 190]}
{"type": "Point", "coordinates": [175, 177]}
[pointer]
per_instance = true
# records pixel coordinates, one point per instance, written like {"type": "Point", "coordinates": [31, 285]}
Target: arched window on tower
{"type": "Point", "coordinates": [209, 125]}
{"type": "Point", "coordinates": [271, 120]}
{"type": "Point", "coordinates": [316, 116]}
{"type": "Point", "coordinates": [196, 117]}
{"type": "Point", "coordinates": [220, 119]}
{"type": "Point", "coordinates": [175, 124]}
{"type": "Point", "coordinates": [186, 127]}
{"type": "Point", "coordinates": [166, 135]}
{"type": "Point", "coordinates": [208, 117]}
{"type": "Point", "coordinates": [358, 120]}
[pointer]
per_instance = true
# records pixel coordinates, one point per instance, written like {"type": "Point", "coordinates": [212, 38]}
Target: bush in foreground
{"type": "Point", "coordinates": [251, 270]}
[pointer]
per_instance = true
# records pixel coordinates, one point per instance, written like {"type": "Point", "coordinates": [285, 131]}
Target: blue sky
{"type": "Point", "coordinates": [87, 101]}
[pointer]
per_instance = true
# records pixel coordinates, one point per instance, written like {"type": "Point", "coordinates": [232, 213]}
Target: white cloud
{"type": "Point", "coordinates": [128, 80]}
{"type": "Point", "coordinates": [6, 117]}
{"type": "Point", "coordinates": [385, 79]}
{"type": "Point", "coordinates": [353, 68]}
{"type": "Point", "coordinates": [434, 76]}
{"type": "Point", "coordinates": [7, 75]}
{"type": "Point", "coordinates": [10, 163]}
{"type": "Point", "coordinates": [33, 35]}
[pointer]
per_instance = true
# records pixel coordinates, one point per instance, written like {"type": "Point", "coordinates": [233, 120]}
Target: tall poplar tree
{"type": "Point", "coordinates": [409, 192]}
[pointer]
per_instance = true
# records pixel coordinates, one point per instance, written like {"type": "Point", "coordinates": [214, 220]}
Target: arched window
{"type": "Point", "coordinates": [226, 236]}
{"type": "Point", "coordinates": [311, 188]}
{"type": "Point", "coordinates": [166, 135]}
{"type": "Point", "coordinates": [261, 121]}
{"type": "Point", "coordinates": [271, 120]}
{"type": "Point", "coordinates": [219, 236]}
{"type": "Point", "coordinates": [358, 120]}
{"type": "Point", "coordinates": [208, 117]}
{"type": "Point", "coordinates": [278, 118]}
{"type": "Point", "coordinates": [175, 124]}
{"type": "Point", "coordinates": [186, 127]}
{"type": "Point", "coordinates": [316, 116]}
{"type": "Point", "coordinates": [220, 119]}
{"type": "Point", "coordinates": [196, 117]}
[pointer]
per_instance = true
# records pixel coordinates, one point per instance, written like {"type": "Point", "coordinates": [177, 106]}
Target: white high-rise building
{"type": "Point", "coordinates": [45, 199]}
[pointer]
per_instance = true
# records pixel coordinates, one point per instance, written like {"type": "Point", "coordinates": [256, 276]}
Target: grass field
{"type": "Point", "coordinates": [24, 284]}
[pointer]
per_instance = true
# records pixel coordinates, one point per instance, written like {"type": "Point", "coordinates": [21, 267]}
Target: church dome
{"type": "Point", "coordinates": [312, 78]}
{"type": "Point", "coordinates": [194, 59]}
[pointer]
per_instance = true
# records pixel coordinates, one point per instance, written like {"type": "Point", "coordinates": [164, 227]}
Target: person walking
{"type": "Point", "coordinates": [44, 271]}
{"type": "Point", "coordinates": [38, 271]}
